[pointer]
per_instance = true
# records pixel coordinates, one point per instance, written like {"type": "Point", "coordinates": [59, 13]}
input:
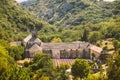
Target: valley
{"type": "Point", "coordinates": [59, 40]}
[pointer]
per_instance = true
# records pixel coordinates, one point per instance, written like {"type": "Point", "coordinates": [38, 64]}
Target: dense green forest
{"type": "Point", "coordinates": [17, 22]}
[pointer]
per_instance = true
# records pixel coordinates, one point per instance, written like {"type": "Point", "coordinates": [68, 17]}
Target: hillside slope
{"type": "Point", "coordinates": [70, 12]}
{"type": "Point", "coordinates": [16, 22]}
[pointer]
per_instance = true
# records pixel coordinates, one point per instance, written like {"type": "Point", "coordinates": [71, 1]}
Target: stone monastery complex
{"type": "Point", "coordinates": [63, 50]}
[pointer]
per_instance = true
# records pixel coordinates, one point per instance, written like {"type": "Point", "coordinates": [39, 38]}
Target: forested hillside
{"type": "Point", "coordinates": [16, 22]}
{"type": "Point", "coordinates": [72, 12]}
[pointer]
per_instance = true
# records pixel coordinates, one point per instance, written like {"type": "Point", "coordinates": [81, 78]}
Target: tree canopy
{"type": "Point", "coordinates": [80, 68]}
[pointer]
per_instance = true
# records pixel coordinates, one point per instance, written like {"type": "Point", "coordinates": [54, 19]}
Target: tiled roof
{"type": "Point", "coordinates": [35, 47]}
{"type": "Point", "coordinates": [64, 45]}
{"type": "Point", "coordinates": [96, 48]}
{"type": "Point", "coordinates": [57, 62]}
{"type": "Point", "coordinates": [27, 38]}
{"type": "Point", "coordinates": [37, 40]}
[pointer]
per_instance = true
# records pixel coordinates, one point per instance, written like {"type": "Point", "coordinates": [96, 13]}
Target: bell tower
{"type": "Point", "coordinates": [34, 34]}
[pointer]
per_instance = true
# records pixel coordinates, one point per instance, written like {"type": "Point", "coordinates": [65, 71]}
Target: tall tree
{"type": "Point", "coordinates": [113, 70]}
{"type": "Point", "coordinates": [15, 73]}
{"type": "Point", "coordinates": [4, 60]}
{"type": "Point", "coordinates": [42, 66]}
{"type": "Point", "coordinates": [94, 36]}
{"type": "Point", "coordinates": [80, 68]}
{"type": "Point", "coordinates": [116, 44]}
{"type": "Point", "coordinates": [84, 37]}
{"type": "Point", "coordinates": [62, 72]}
{"type": "Point", "coordinates": [16, 52]}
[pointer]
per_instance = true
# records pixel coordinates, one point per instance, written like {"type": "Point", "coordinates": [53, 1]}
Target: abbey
{"type": "Point", "coordinates": [63, 50]}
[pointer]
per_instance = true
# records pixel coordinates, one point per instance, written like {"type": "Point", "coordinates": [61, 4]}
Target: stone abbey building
{"type": "Point", "coordinates": [60, 50]}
